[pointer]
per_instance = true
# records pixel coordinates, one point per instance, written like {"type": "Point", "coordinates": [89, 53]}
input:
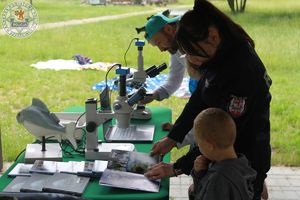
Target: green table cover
{"type": "Point", "coordinates": [96, 191]}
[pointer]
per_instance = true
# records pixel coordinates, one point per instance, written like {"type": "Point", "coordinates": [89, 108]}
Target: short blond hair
{"type": "Point", "coordinates": [215, 126]}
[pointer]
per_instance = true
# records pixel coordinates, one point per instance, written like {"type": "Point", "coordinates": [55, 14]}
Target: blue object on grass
{"type": "Point", "coordinates": [82, 60]}
{"type": "Point", "coordinates": [151, 85]}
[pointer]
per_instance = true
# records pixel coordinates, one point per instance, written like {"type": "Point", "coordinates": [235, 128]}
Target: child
{"type": "Point", "coordinates": [219, 173]}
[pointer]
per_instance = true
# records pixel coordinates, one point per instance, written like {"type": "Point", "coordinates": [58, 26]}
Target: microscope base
{"type": "Point", "coordinates": [104, 150]}
{"type": "Point", "coordinates": [34, 152]}
{"type": "Point", "coordinates": [141, 114]}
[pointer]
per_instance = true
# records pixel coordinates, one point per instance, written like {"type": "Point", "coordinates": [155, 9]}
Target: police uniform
{"type": "Point", "coordinates": [236, 81]}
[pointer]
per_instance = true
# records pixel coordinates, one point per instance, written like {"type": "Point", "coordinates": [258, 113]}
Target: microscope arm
{"type": "Point", "coordinates": [93, 120]}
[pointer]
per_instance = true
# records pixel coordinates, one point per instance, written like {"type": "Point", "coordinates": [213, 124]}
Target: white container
{"type": "Point", "coordinates": [97, 2]}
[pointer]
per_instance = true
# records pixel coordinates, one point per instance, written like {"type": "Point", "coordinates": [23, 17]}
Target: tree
{"type": "Point", "coordinates": [237, 6]}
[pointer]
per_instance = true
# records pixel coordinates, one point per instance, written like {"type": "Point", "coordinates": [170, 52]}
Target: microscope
{"type": "Point", "coordinates": [139, 79]}
{"type": "Point", "coordinates": [123, 131]}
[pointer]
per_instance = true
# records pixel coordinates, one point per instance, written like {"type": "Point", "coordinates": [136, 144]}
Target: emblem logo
{"type": "Point", "coordinates": [19, 19]}
{"type": "Point", "coordinates": [237, 106]}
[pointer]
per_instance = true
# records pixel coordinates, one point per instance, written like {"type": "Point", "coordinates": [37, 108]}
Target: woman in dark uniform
{"type": "Point", "coordinates": [233, 78]}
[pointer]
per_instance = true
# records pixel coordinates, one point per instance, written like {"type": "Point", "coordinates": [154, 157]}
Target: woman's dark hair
{"type": "Point", "coordinates": [194, 24]}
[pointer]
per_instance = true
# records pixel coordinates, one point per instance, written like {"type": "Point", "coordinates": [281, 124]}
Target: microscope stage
{"type": "Point", "coordinates": [135, 133]}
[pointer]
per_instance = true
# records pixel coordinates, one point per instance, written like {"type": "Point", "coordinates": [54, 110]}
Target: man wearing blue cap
{"type": "Point", "coordinates": [160, 32]}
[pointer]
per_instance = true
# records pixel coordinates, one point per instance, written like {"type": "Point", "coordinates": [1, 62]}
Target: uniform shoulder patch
{"type": "Point", "coordinates": [237, 106]}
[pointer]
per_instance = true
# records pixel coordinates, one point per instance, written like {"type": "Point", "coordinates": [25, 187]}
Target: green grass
{"type": "Point", "coordinates": [273, 24]}
{"type": "Point", "coordinates": [277, 41]}
{"type": "Point", "coordinates": [57, 10]}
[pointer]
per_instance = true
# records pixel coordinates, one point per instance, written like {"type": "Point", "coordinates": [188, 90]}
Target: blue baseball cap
{"type": "Point", "coordinates": [156, 23]}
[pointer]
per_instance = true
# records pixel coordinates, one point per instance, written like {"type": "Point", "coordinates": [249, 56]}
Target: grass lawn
{"type": "Point", "coordinates": [273, 24]}
{"type": "Point", "coordinates": [58, 10]}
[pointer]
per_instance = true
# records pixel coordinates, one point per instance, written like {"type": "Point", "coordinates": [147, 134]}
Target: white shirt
{"type": "Point", "coordinates": [176, 74]}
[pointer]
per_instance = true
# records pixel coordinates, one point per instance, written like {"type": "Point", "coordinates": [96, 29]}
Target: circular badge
{"type": "Point", "coordinates": [19, 19]}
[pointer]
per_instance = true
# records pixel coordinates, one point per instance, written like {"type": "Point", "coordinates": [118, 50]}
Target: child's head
{"type": "Point", "coordinates": [214, 129]}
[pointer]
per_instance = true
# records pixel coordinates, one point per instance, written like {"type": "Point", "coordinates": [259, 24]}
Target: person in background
{"type": "Point", "coordinates": [160, 32]}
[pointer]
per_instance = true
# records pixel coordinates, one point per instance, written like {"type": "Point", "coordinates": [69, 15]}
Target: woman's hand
{"type": "Point", "coordinates": [163, 146]}
{"type": "Point", "coordinates": [160, 170]}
